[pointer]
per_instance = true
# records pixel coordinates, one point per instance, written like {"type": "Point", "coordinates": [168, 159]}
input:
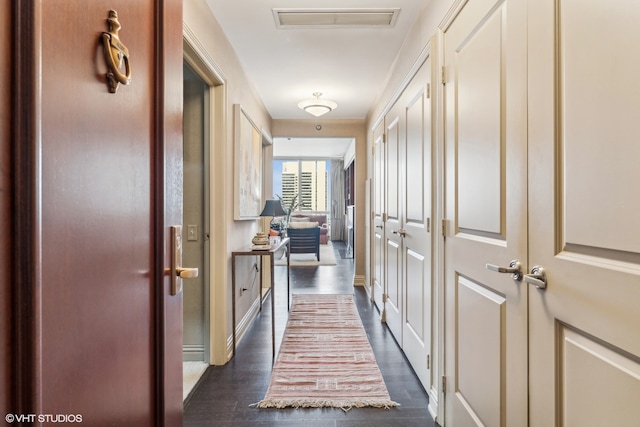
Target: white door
{"type": "Point", "coordinates": [378, 219]}
{"type": "Point", "coordinates": [393, 223]}
{"type": "Point", "coordinates": [584, 206]}
{"type": "Point", "coordinates": [417, 241]}
{"type": "Point", "coordinates": [485, 209]}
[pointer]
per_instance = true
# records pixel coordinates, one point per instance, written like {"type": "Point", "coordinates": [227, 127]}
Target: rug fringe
{"type": "Point", "coordinates": [345, 405]}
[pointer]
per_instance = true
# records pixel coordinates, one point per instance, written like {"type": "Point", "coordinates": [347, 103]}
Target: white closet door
{"type": "Point", "coordinates": [378, 220]}
{"type": "Point", "coordinates": [486, 210]}
{"type": "Point", "coordinates": [393, 225]}
{"type": "Point", "coordinates": [417, 241]}
{"type": "Point", "coordinates": [584, 201]}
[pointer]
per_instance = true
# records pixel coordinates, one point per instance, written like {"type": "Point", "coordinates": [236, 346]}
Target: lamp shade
{"type": "Point", "coordinates": [273, 208]}
{"type": "Point", "coordinates": [317, 110]}
{"type": "Point", "coordinates": [317, 106]}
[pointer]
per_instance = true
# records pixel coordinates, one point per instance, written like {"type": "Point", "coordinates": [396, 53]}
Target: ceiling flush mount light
{"type": "Point", "coordinates": [317, 106]}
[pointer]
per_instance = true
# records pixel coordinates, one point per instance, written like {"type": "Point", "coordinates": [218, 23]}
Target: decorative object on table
{"type": "Point", "coordinates": [325, 359]}
{"type": "Point", "coordinates": [260, 241]}
{"type": "Point", "coordinates": [288, 210]}
{"type": "Point", "coordinates": [274, 240]}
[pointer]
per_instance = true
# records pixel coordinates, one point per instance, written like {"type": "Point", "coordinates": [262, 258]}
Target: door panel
{"type": "Point", "coordinates": [480, 356]}
{"type": "Point", "coordinates": [393, 223]}
{"type": "Point", "coordinates": [613, 374]}
{"type": "Point", "coordinates": [480, 169]}
{"type": "Point", "coordinates": [102, 310]}
{"type": "Point", "coordinates": [415, 313]}
{"type": "Point", "coordinates": [417, 323]}
{"type": "Point", "coordinates": [583, 167]}
{"type": "Point", "coordinates": [393, 307]}
{"type": "Point", "coordinates": [417, 243]}
{"type": "Point", "coordinates": [485, 205]}
{"type": "Point", "coordinates": [98, 177]}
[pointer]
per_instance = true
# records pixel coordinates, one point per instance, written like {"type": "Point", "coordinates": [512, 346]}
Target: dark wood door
{"type": "Point", "coordinates": [97, 183]}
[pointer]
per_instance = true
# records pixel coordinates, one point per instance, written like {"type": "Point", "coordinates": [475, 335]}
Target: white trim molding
{"type": "Point", "coordinates": [359, 280]}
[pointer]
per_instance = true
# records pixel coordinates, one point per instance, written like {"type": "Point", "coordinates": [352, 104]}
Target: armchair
{"type": "Point", "coordinates": [304, 239]}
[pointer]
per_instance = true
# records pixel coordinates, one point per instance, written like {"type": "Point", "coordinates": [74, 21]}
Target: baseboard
{"type": "Point", "coordinates": [367, 289]}
{"type": "Point", "coordinates": [192, 353]}
{"type": "Point", "coordinates": [359, 280]}
{"type": "Point", "coordinates": [433, 407]}
{"type": "Point", "coordinates": [243, 326]}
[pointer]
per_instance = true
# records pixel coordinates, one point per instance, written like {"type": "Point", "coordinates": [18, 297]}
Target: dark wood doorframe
{"type": "Point", "coordinates": [5, 202]}
{"type": "Point", "coordinates": [168, 208]}
{"type": "Point", "coordinates": [25, 211]}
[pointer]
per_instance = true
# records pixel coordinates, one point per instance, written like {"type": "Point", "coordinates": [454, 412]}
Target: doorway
{"type": "Point", "coordinates": [196, 228]}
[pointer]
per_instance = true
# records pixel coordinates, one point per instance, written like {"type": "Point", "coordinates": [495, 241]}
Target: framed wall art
{"type": "Point", "coordinates": [248, 166]}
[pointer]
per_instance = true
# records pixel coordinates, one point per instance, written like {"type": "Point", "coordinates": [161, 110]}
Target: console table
{"type": "Point", "coordinates": [284, 244]}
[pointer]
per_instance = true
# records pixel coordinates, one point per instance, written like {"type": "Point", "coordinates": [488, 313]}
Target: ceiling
{"type": "Point", "coordinates": [324, 148]}
{"type": "Point", "coordinates": [347, 63]}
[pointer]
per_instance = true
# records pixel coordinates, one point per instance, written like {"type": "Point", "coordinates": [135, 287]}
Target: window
{"type": "Point", "coordinates": [309, 179]}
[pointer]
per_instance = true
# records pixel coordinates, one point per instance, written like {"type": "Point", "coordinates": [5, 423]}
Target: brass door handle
{"type": "Point", "coordinates": [176, 271]}
{"type": "Point", "coordinates": [186, 273]}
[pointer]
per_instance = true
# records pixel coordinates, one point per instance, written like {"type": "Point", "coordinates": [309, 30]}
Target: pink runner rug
{"type": "Point", "coordinates": [325, 359]}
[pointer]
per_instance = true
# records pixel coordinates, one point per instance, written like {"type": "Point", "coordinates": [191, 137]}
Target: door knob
{"type": "Point", "coordinates": [537, 278]}
{"type": "Point", "coordinates": [515, 268]}
{"type": "Point", "coordinates": [401, 232]}
{"type": "Point", "coordinates": [379, 226]}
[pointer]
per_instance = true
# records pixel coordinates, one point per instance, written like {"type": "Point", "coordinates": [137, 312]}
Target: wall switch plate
{"type": "Point", "coordinates": [192, 233]}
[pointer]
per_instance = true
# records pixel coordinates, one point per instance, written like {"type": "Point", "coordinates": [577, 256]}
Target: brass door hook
{"type": "Point", "coordinates": [115, 52]}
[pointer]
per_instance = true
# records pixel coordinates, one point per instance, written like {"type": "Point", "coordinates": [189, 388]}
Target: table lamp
{"type": "Point", "coordinates": [273, 208]}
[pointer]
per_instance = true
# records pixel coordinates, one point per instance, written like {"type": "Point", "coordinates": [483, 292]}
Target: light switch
{"type": "Point", "coordinates": [192, 233]}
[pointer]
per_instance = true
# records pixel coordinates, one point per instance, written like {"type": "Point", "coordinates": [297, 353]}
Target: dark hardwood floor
{"type": "Point", "coordinates": [224, 393]}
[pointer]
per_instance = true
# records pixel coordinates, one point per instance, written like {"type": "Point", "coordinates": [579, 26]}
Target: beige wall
{"type": "Point", "coordinates": [209, 42]}
{"type": "Point", "coordinates": [423, 37]}
{"type": "Point", "coordinates": [339, 128]}
{"type": "Point", "coordinates": [425, 27]}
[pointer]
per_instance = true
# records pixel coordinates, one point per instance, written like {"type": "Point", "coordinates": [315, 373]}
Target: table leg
{"type": "Point", "coordinates": [288, 250]}
{"type": "Point", "coordinates": [273, 310]}
{"type": "Point", "coordinates": [259, 259]}
{"type": "Point", "coordinates": [233, 303]}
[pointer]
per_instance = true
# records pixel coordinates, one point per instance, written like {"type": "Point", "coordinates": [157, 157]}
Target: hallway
{"type": "Point", "coordinates": [225, 392]}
